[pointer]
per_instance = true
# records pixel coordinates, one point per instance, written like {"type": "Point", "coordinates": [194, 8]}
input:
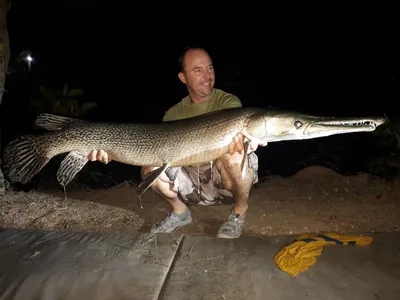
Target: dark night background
{"type": "Point", "coordinates": [126, 60]}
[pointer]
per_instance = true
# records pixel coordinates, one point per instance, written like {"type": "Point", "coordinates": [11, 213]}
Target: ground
{"type": "Point", "coordinates": [313, 200]}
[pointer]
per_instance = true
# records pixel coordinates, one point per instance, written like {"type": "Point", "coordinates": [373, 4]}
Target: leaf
{"type": "Point", "coordinates": [56, 109]}
{"type": "Point", "coordinates": [69, 107]}
{"type": "Point", "coordinates": [71, 103]}
{"type": "Point", "coordinates": [65, 90]}
{"type": "Point", "coordinates": [88, 106]}
{"type": "Point", "coordinates": [76, 92]}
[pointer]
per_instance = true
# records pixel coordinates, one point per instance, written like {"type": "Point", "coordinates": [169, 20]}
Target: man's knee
{"type": "Point", "coordinates": [145, 171]}
{"type": "Point", "coordinates": [162, 185]}
{"type": "Point", "coordinates": [233, 162]}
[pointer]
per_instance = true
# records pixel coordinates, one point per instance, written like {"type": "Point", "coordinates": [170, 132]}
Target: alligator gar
{"type": "Point", "coordinates": [184, 142]}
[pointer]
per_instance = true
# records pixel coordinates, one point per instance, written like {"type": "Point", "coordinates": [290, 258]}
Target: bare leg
{"type": "Point", "coordinates": [162, 186]}
{"type": "Point", "coordinates": [229, 167]}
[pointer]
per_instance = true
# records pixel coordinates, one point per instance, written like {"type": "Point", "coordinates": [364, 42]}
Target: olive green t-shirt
{"type": "Point", "coordinates": [186, 108]}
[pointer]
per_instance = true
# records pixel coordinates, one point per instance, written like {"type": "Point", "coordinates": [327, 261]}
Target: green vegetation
{"type": "Point", "coordinates": [66, 102]}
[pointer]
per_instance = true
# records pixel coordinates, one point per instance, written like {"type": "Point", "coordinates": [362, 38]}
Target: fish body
{"type": "Point", "coordinates": [184, 142]}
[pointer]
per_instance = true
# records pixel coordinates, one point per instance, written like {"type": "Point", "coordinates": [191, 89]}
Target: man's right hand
{"type": "Point", "coordinates": [99, 155]}
{"type": "Point", "coordinates": [237, 145]}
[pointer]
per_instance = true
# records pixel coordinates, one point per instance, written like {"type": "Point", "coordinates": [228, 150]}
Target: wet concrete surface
{"type": "Point", "coordinates": [72, 265]}
{"type": "Point", "coordinates": [36, 264]}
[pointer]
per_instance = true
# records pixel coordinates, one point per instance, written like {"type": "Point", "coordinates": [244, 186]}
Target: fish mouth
{"type": "Point", "coordinates": [328, 127]}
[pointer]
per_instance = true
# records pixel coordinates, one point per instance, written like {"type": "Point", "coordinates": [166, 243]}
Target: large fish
{"type": "Point", "coordinates": [183, 142]}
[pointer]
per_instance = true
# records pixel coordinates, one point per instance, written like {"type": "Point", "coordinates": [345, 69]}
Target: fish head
{"type": "Point", "coordinates": [283, 126]}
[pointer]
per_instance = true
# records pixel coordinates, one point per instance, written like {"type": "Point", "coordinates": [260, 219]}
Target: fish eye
{"type": "Point", "coordinates": [298, 124]}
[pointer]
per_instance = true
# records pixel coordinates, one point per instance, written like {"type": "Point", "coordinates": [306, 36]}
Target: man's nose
{"type": "Point", "coordinates": [207, 74]}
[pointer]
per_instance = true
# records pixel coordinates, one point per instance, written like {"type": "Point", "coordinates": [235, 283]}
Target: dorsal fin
{"type": "Point", "coordinates": [52, 122]}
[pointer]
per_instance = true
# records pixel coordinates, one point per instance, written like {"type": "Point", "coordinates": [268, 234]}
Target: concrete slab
{"type": "Point", "coordinates": [211, 268]}
{"type": "Point", "coordinates": [44, 265]}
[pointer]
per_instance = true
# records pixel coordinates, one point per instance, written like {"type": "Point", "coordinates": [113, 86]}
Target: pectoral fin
{"type": "Point", "coordinates": [148, 180]}
{"type": "Point", "coordinates": [70, 166]}
{"type": "Point", "coordinates": [244, 160]}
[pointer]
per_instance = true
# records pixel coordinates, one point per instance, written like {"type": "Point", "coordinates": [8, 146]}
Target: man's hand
{"type": "Point", "coordinates": [237, 145]}
{"type": "Point", "coordinates": [99, 155]}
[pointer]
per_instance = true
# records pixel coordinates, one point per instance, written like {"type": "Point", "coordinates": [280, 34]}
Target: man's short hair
{"type": "Point", "coordinates": [181, 58]}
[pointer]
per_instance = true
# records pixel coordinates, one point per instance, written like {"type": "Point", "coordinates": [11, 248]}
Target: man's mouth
{"type": "Point", "coordinates": [208, 83]}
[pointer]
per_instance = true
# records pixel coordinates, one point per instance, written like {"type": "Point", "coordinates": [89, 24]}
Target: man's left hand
{"type": "Point", "coordinates": [99, 155]}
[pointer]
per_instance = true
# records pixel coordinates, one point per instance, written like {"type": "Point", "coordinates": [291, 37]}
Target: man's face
{"type": "Point", "coordinates": [198, 74]}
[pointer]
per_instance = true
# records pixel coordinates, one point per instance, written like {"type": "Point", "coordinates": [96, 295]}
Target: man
{"type": "Point", "coordinates": [214, 183]}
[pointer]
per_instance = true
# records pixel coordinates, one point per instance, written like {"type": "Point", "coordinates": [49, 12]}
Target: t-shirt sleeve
{"type": "Point", "coordinates": [230, 101]}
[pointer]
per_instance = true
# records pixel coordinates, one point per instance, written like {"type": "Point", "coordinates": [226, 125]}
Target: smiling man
{"type": "Point", "coordinates": [218, 182]}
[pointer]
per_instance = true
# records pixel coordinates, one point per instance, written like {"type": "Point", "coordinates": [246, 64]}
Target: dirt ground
{"type": "Point", "coordinates": [313, 200]}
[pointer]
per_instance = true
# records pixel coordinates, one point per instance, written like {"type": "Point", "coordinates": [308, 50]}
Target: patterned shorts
{"type": "Point", "coordinates": [203, 184]}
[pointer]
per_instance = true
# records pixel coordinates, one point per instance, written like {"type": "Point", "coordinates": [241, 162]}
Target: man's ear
{"type": "Point", "coordinates": [182, 77]}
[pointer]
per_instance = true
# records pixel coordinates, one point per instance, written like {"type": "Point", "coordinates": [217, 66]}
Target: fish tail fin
{"type": "Point", "coordinates": [24, 157]}
{"type": "Point", "coordinates": [52, 122]}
